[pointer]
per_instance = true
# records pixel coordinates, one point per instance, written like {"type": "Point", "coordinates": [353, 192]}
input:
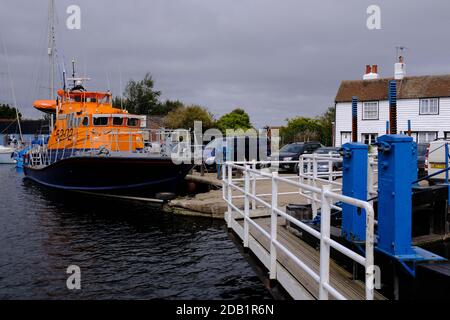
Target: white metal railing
{"type": "Point", "coordinates": [320, 169]}
{"type": "Point", "coordinates": [327, 198]}
{"type": "Point", "coordinates": [372, 176]}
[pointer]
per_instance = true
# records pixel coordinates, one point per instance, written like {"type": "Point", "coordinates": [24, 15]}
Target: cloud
{"type": "Point", "coordinates": [276, 59]}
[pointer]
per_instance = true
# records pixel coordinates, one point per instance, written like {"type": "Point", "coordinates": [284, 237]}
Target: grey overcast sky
{"type": "Point", "coordinates": [275, 58]}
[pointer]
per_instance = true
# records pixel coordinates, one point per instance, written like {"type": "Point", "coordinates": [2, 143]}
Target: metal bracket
{"type": "Point", "coordinates": [410, 261]}
{"type": "Point", "coordinates": [345, 152]}
{"type": "Point", "coordinates": [383, 146]}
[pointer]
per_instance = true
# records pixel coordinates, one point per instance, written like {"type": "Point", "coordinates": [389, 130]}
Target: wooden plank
{"type": "Point", "coordinates": [339, 277]}
{"type": "Point", "coordinates": [256, 213]}
{"type": "Point", "coordinates": [284, 277]}
{"type": "Point", "coordinates": [429, 239]}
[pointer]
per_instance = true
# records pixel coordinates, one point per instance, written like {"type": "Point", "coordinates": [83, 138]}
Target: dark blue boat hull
{"type": "Point", "coordinates": [120, 175]}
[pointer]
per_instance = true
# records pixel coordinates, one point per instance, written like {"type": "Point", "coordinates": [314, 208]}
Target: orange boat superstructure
{"type": "Point", "coordinates": [88, 121]}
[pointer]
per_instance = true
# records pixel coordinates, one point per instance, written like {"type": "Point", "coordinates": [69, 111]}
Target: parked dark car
{"type": "Point", "coordinates": [293, 151]}
{"type": "Point", "coordinates": [421, 156]}
{"type": "Point", "coordinates": [324, 166]}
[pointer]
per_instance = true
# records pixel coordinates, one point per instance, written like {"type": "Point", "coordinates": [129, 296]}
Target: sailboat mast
{"type": "Point", "coordinates": [5, 50]}
{"type": "Point", "coordinates": [51, 52]}
{"type": "Point", "coordinates": [51, 46]}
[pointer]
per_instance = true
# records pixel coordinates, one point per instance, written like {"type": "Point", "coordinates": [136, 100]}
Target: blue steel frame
{"type": "Point", "coordinates": [354, 177]}
{"type": "Point", "coordinates": [395, 179]}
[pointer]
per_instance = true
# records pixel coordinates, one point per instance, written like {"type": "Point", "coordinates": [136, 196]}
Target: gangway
{"type": "Point", "coordinates": [303, 271]}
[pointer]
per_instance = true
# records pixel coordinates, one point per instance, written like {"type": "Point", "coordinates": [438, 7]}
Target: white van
{"type": "Point", "coordinates": [435, 160]}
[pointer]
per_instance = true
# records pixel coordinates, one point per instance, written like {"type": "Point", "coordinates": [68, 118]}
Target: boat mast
{"type": "Point", "coordinates": [51, 52]}
{"type": "Point", "coordinates": [73, 72]}
{"type": "Point", "coordinates": [5, 50]}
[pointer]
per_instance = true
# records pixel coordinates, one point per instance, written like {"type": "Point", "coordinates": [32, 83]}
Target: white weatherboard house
{"type": "Point", "coordinates": [424, 100]}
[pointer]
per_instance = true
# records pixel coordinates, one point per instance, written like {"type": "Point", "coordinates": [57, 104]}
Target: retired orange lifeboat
{"type": "Point", "coordinates": [96, 147]}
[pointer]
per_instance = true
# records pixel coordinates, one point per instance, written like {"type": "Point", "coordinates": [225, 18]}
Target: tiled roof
{"type": "Point", "coordinates": [408, 88]}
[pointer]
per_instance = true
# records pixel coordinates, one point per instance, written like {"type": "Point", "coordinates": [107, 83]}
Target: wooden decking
{"type": "Point", "coordinates": [294, 279]}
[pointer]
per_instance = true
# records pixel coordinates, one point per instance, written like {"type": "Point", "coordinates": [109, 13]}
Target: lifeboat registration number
{"type": "Point", "coordinates": [63, 134]}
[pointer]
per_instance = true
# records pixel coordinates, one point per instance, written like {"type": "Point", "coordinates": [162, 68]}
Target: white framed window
{"type": "Point", "coordinates": [424, 136]}
{"type": "Point", "coordinates": [370, 110]}
{"type": "Point", "coordinates": [429, 106]}
{"type": "Point", "coordinates": [369, 138]}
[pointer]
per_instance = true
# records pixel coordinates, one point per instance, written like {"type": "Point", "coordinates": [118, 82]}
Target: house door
{"type": "Point", "coordinates": [346, 137]}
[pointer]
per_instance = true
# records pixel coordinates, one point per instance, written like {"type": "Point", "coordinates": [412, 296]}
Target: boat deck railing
{"type": "Point", "coordinates": [318, 187]}
{"type": "Point", "coordinates": [157, 143]}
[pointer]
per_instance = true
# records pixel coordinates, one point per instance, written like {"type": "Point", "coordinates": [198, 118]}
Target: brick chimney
{"type": "Point", "coordinates": [371, 72]}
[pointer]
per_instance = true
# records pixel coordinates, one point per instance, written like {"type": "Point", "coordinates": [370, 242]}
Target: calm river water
{"type": "Point", "coordinates": [125, 250]}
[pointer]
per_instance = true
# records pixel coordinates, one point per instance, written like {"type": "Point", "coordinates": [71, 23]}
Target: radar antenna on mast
{"type": "Point", "coordinates": [77, 81]}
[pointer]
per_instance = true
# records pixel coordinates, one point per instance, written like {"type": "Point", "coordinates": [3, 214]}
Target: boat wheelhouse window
{"type": "Point", "coordinates": [117, 121]}
{"type": "Point", "coordinates": [85, 121]}
{"type": "Point", "coordinates": [133, 122]}
{"type": "Point", "coordinates": [105, 100]}
{"type": "Point", "coordinates": [100, 121]}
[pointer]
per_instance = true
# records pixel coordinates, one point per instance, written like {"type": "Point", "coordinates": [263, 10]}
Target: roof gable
{"type": "Point", "coordinates": [408, 88]}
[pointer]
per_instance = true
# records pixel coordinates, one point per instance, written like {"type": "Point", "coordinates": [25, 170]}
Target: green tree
{"type": "Point", "coordinates": [169, 106]}
{"type": "Point", "coordinates": [118, 102]}
{"type": "Point", "coordinates": [8, 112]}
{"type": "Point", "coordinates": [301, 129]}
{"type": "Point", "coordinates": [183, 117]}
{"type": "Point", "coordinates": [327, 120]}
{"type": "Point", "coordinates": [141, 98]}
{"type": "Point", "coordinates": [236, 119]}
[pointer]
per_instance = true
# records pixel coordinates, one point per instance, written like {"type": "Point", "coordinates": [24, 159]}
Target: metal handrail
{"type": "Point", "coordinates": [327, 197]}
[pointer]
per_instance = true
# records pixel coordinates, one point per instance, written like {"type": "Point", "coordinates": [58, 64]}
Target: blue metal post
{"type": "Point", "coordinates": [395, 194]}
{"type": "Point", "coordinates": [355, 186]}
{"type": "Point", "coordinates": [414, 164]}
{"type": "Point", "coordinates": [392, 94]}
{"type": "Point", "coordinates": [387, 127]}
{"type": "Point", "coordinates": [354, 119]}
{"type": "Point", "coordinates": [446, 172]}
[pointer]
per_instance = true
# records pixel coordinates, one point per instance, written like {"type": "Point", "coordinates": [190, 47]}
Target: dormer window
{"type": "Point", "coordinates": [429, 106]}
